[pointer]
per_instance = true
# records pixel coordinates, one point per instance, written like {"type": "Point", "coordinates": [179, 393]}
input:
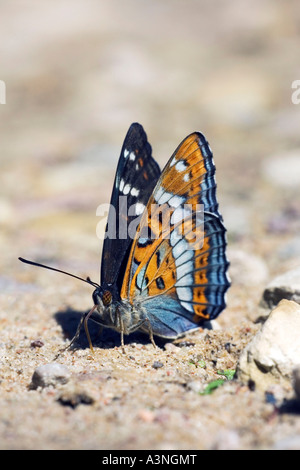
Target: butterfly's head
{"type": "Point", "coordinates": [102, 297]}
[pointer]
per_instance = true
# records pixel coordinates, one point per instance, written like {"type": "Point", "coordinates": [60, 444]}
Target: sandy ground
{"type": "Point", "coordinates": [77, 74]}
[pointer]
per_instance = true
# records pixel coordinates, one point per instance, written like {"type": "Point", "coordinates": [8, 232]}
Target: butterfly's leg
{"type": "Point", "coordinates": [76, 336]}
{"type": "Point", "coordinates": [74, 339]}
{"type": "Point", "coordinates": [86, 327]}
{"type": "Point", "coordinates": [121, 328]}
{"type": "Point", "coordinates": [151, 332]}
{"type": "Point", "coordinates": [139, 324]}
{"type": "Point", "coordinates": [122, 342]}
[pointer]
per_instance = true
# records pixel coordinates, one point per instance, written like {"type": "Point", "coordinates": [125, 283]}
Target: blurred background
{"type": "Point", "coordinates": [78, 73]}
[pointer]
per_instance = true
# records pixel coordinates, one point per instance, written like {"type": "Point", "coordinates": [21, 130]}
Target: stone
{"type": "Point", "coordinates": [285, 286]}
{"type": "Point", "coordinates": [51, 374]}
{"type": "Point", "coordinates": [274, 352]}
{"type": "Point", "coordinates": [157, 365]}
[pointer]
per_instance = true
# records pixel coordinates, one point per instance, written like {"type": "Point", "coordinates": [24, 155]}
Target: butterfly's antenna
{"type": "Point", "coordinates": [88, 280]}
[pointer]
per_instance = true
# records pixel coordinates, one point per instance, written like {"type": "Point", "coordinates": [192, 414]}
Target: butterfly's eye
{"type": "Point", "coordinates": [106, 298]}
{"type": "Point", "coordinates": [102, 295]}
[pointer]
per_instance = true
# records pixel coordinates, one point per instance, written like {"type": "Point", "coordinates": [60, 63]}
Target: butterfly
{"type": "Point", "coordinates": [164, 265]}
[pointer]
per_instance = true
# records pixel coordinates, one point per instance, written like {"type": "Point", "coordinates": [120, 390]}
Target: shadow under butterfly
{"type": "Point", "coordinates": [159, 281]}
{"type": "Point", "coordinates": [69, 319]}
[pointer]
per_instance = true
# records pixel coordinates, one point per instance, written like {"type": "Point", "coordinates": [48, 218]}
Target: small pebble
{"type": "Point", "coordinates": [157, 365]}
{"type": "Point", "coordinates": [36, 343]}
{"type": "Point", "coordinates": [185, 344]}
{"type": "Point", "coordinates": [229, 347]}
{"type": "Point", "coordinates": [51, 374]}
{"type": "Point", "coordinates": [171, 347]}
{"type": "Point", "coordinates": [73, 398]}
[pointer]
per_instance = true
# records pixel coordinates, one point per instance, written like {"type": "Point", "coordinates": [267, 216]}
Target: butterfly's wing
{"type": "Point", "coordinates": [136, 175]}
{"type": "Point", "coordinates": [177, 267]}
{"type": "Point", "coordinates": [198, 291]}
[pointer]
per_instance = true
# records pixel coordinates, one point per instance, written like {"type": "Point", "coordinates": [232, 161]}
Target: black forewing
{"type": "Point", "coordinates": [137, 174]}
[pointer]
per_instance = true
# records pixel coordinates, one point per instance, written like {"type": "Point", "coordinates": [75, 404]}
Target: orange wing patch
{"type": "Point", "coordinates": [201, 281]}
{"type": "Point", "coordinates": [184, 171]}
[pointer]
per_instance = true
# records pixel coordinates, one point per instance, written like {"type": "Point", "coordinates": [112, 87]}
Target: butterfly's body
{"type": "Point", "coordinates": [121, 316]}
{"type": "Point", "coordinates": [168, 275]}
{"type": "Point", "coordinates": [126, 317]}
